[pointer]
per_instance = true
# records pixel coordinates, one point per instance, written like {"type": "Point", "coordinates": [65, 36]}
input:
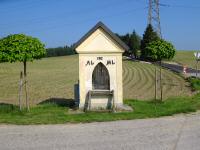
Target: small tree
{"type": "Point", "coordinates": [148, 36]}
{"type": "Point", "coordinates": [22, 48]}
{"type": "Point", "coordinates": [159, 50]}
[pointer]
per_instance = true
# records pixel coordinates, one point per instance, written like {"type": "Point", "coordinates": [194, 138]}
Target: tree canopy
{"type": "Point", "coordinates": [134, 43]}
{"type": "Point", "coordinates": [19, 47]}
{"type": "Point", "coordinates": [159, 50]}
{"type": "Point", "coordinates": [148, 36]}
{"type": "Point", "coordinates": [132, 40]}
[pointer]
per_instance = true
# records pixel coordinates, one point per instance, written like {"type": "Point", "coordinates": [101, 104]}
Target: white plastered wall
{"type": "Point", "coordinates": [100, 44]}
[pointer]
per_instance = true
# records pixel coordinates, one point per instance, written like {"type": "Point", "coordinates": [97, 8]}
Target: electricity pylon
{"type": "Point", "coordinates": [154, 20]}
{"type": "Point", "coordinates": [154, 16]}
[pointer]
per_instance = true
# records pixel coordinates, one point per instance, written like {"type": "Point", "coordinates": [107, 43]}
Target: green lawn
{"type": "Point", "coordinates": [54, 78]}
{"type": "Point", "coordinates": [55, 114]}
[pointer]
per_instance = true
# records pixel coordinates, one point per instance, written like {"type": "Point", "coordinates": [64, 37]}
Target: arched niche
{"type": "Point", "coordinates": [100, 78]}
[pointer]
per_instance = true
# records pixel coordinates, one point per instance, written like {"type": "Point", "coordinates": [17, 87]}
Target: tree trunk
{"type": "Point", "coordinates": [20, 90]}
{"type": "Point", "coordinates": [26, 89]}
{"type": "Point", "coordinates": [24, 68]}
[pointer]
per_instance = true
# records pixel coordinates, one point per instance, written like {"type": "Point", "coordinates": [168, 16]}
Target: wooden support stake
{"type": "Point", "coordinates": [161, 88]}
{"type": "Point", "coordinates": [20, 90]}
{"type": "Point", "coordinates": [155, 83]}
{"type": "Point", "coordinates": [26, 93]}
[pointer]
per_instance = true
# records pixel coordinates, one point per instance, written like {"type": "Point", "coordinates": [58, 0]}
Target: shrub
{"type": "Point", "coordinates": [195, 83]}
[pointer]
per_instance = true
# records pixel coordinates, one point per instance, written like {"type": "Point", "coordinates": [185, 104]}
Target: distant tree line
{"type": "Point", "coordinates": [133, 40]}
{"type": "Point", "coordinates": [60, 51]}
{"type": "Point", "coordinates": [150, 47]}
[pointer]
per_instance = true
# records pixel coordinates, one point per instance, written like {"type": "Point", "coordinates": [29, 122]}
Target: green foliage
{"type": "Point", "coordinates": [195, 83]}
{"type": "Point", "coordinates": [19, 47]}
{"type": "Point", "coordinates": [133, 41]}
{"type": "Point", "coordinates": [159, 50]}
{"type": "Point", "coordinates": [148, 36]}
{"type": "Point", "coordinates": [125, 38]}
{"type": "Point", "coordinates": [60, 51]}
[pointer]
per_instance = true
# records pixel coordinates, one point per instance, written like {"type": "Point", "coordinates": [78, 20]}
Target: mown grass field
{"type": "Point", "coordinates": [185, 58]}
{"type": "Point", "coordinates": [139, 82]}
{"type": "Point", "coordinates": [54, 78]}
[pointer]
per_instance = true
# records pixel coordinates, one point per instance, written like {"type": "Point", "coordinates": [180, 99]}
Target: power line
{"type": "Point", "coordinates": [88, 20]}
{"type": "Point", "coordinates": [179, 6]}
{"type": "Point", "coordinates": [77, 12]}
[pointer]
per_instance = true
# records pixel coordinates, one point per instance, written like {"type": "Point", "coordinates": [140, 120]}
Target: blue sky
{"type": "Point", "coordinates": [63, 22]}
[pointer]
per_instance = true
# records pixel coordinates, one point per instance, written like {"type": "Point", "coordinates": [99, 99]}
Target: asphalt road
{"type": "Point", "coordinates": [179, 69]}
{"type": "Point", "coordinates": [180, 132]}
{"type": "Point", "coordinates": [176, 68]}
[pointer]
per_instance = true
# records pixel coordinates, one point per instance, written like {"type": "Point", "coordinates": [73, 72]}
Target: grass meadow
{"type": "Point", "coordinates": [54, 78]}
{"type": "Point", "coordinates": [185, 58]}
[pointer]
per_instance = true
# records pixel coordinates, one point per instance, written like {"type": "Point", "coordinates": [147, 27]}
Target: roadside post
{"type": "Point", "coordinates": [197, 56]}
{"type": "Point", "coordinates": [185, 70]}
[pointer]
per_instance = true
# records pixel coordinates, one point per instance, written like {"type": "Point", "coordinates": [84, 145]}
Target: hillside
{"type": "Point", "coordinates": [185, 58]}
{"type": "Point", "coordinates": [54, 78]}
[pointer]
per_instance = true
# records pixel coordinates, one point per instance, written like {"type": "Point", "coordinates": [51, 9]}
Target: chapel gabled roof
{"type": "Point", "coordinates": [107, 30]}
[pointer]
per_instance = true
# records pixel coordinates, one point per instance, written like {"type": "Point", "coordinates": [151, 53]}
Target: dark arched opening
{"type": "Point", "coordinates": [100, 78]}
